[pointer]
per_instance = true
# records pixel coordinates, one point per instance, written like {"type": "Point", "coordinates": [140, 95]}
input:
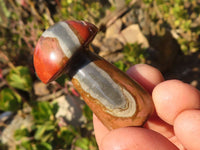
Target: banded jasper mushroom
{"type": "Point", "coordinates": [117, 100]}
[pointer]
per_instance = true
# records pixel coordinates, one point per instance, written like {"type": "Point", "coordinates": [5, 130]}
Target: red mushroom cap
{"type": "Point", "coordinates": [58, 44]}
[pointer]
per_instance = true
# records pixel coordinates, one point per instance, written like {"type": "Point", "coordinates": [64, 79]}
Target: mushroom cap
{"type": "Point", "coordinates": [56, 46]}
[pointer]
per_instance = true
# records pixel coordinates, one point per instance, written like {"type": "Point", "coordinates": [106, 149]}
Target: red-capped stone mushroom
{"type": "Point", "coordinates": [117, 100]}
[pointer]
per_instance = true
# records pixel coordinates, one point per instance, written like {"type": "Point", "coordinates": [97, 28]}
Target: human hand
{"type": "Point", "coordinates": [174, 125]}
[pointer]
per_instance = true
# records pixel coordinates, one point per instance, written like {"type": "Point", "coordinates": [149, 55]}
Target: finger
{"type": "Point", "coordinates": [187, 128]}
{"type": "Point", "coordinates": [134, 138]}
{"type": "Point", "coordinates": [140, 73]}
{"type": "Point", "coordinates": [172, 97]}
{"type": "Point", "coordinates": [99, 129]}
{"type": "Point", "coordinates": [145, 75]}
{"type": "Point", "coordinates": [159, 126]}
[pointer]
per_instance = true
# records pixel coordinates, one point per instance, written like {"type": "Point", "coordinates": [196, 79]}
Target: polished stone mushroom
{"type": "Point", "coordinates": [116, 99]}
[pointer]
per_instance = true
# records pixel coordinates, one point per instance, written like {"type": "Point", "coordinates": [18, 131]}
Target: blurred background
{"type": "Point", "coordinates": [35, 116]}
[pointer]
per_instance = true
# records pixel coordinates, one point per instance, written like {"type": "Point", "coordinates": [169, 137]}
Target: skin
{"type": "Point", "coordinates": [175, 124]}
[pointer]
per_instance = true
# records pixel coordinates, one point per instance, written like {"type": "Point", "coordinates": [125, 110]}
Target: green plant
{"type": "Point", "coordinates": [90, 11]}
{"type": "Point", "coordinates": [180, 17]}
{"type": "Point", "coordinates": [18, 78]}
{"type": "Point", "coordinates": [42, 133]}
{"type": "Point", "coordinates": [47, 134]}
{"type": "Point", "coordinates": [9, 100]}
{"type": "Point", "coordinates": [22, 22]}
{"type": "Point", "coordinates": [133, 54]}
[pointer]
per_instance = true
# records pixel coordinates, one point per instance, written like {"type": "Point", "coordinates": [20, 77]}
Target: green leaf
{"type": "Point", "coordinates": [133, 54]}
{"type": "Point", "coordinates": [45, 132]}
{"type": "Point", "coordinates": [44, 146]}
{"type": "Point", "coordinates": [83, 143]}
{"type": "Point", "coordinates": [9, 100]}
{"type": "Point", "coordinates": [44, 111]}
{"type": "Point", "coordinates": [87, 112]}
{"type": "Point", "coordinates": [21, 133]}
{"type": "Point", "coordinates": [48, 137]}
{"type": "Point", "coordinates": [121, 65]}
{"type": "Point", "coordinates": [25, 146]}
{"type": "Point", "coordinates": [40, 131]}
{"type": "Point", "coordinates": [66, 135]}
{"type": "Point", "coordinates": [4, 9]}
{"type": "Point", "coordinates": [54, 107]}
{"type": "Point", "coordinates": [20, 78]}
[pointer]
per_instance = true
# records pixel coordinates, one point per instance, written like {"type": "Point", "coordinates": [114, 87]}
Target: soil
{"type": "Point", "coordinates": [186, 68]}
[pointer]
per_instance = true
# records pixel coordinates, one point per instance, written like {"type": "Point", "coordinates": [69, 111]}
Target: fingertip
{"type": "Point", "coordinates": [172, 97]}
{"type": "Point", "coordinates": [145, 75]}
{"type": "Point", "coordinates": [187, 129]}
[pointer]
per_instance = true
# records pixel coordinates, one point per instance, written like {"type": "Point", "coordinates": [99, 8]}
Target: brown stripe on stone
{"type": "Point", "coordinates": [112, 122]}
{"type": "Point", "coordinates": [81, 40]}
